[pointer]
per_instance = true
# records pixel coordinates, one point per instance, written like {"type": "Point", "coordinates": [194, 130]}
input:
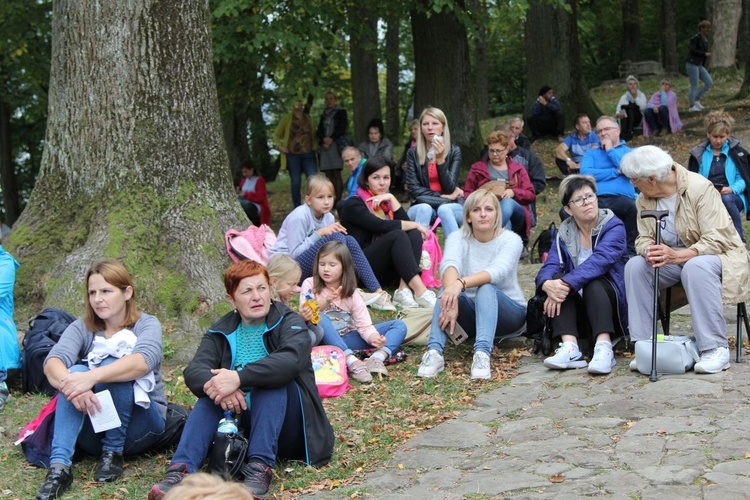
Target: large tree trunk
{"type": "Point", "coordinates": [134, 165]}
{"type": "Point", "coordinates": [393, 68]}
{"type": "Point", "coordinates": [481, 62]}
{"type": "Point", "coordinates": [631, 29]}
{"type": "Point", "coordinates": [725, 20]}
{"type": "Point", "coordinates": [8, 182]}
{"type": "Point", "coordinates": [363, 42]}
{"type": "Point", "coordinates": [669, 36]}
{"type": "Point", "coordinates": [553, 58]}
{"type": "Point", "coordinates": [259, 151]}
{"type": "Point", "coordinates": [744, 91]}
{"type": "Point", "coordinates": [234, 125]}
{"type": "Point", "coordinates": [443, 76]}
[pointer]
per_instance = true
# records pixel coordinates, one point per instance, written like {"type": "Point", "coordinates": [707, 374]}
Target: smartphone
{"type": "Point", "coordinates": [719, 187]}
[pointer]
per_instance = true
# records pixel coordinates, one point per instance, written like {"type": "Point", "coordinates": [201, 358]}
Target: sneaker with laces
{"type": "Point", "coordinates": [432, 364]}
{"type": "Point", "coordinates": [367, 297]}
{"type": "Point", "coordinates": [383, 302]}
{"type": "Point", "coordinates": [4, 394]}
{"type": "Point", "coordinates": [603, 359]}
{"type": "Point", "coordinates": [109, 467]}
{"type": "Point", "coordinates": [175, 474]}
{"type": "Point", "coordinates": [427, 299]}
{"type": "Point", "coordinates": [376, 365]}
{"type": "Point", "coordinates": [257, 478]}
{"type": "Point", "coordinates": [480, 366]}
{"type": "Point", "coordinates": [56, 482]}
{"type": "Point", "coordinates": [699, 105]}
{"type": "Point", "coordinates": [359, 372]}
{"type": "Point", "coordinates": [713, 361]}
{"type": "Point", "coordinates": [566, 356]}
{"type": "Point", "coordinates": [404, 299]}
{"type": "Point", "coordinates": [694, 108]}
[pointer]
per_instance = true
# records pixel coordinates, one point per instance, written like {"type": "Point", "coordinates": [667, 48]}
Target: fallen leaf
{"type": "Point", "coordinates": [556, 478]}
{"type": "Point", "coordinates": [661, 432]}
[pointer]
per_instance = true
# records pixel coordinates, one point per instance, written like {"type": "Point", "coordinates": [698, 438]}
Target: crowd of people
{"type": "Point", "coordinates": [254, 362]}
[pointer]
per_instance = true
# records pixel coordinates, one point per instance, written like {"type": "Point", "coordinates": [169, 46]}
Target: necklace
{"type": "Point", "coordinates": [252, 331]}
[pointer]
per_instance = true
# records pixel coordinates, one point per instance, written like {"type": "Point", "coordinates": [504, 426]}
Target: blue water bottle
{"type": "Point", "coordinates": [228, 424]}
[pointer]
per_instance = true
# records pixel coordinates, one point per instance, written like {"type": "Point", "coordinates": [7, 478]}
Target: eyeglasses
{"type": "Point", "coordinates": [497, 151]}
{"type": "Point", "coordinates": [589, 198]}
{"type": "Point", "coordinates": [605, 129]}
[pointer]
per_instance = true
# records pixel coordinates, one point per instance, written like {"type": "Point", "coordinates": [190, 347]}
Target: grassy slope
{"type": "Point", "coordinates": [370, 421]}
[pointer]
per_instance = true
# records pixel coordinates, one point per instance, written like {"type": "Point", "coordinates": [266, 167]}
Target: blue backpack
{"type": "Point", "coordinates": [44, 332]}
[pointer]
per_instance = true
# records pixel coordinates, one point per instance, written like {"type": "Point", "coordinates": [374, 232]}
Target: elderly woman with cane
{"type": "Point", "coordinates": [699, 248]}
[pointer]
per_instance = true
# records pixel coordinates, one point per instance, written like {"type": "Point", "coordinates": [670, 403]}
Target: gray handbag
{"type": "Point", "coordinates": [674, 354]}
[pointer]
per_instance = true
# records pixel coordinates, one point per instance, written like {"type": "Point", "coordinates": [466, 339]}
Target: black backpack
{"type": "Point", "coordinates": [44, 332]}
{"type": "Point", "coordinates": [543, 243]}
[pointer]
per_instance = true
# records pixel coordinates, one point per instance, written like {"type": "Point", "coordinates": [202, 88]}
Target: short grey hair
{"type": "Point", "coordinates": [514, 119]}
{"type": "Point", "coordinates": [631, 78]}
{"type": "Point", "coordinates": [471, 203]}
{"type": "Point", "coordinates": [607, 117]}
{"type": "Point", "coordinates": [645, 162]}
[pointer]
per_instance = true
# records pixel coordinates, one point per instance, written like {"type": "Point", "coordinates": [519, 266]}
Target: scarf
{"type": "Point", "coordinates": [329, 120]}
{"type": "Point", "coordinates": [384, 210]}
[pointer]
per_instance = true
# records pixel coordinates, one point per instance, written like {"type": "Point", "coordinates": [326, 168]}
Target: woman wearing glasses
{"type": "Point", "coordinates": [583, 279]}
{"type": "Point", "coordinates": [507, 180]}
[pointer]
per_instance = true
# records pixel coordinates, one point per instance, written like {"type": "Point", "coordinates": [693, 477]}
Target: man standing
{"type": "Point", "coordinates": [547, 116]}
{"type": "Point", "coordinates": [614, 190]}
{"type": "Point", "coordinates": [333, 139]}
{"type": "Point", "coordinates": [569, 152]}
{"type": "Point", "coordinates": [698, 54]}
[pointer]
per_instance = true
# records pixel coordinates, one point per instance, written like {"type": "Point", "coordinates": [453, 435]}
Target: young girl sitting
{"type": "Point", "coordinates": [311, 225]}
{"type": "Point", "coordinates": [251, 194]}
{"type": "Point", "coordinates": [284, 274]}
{"type": "Point", "coordinates": [346, 322]}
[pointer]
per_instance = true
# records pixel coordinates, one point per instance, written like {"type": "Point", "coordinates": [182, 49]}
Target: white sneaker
{"type": "Point", "coordinates": [383, 302]}
{"type": "Point", "coordinates": [432, 364]}
{"type": "Point", "coordinates": [699, 105]}
{"type": "Point", "coordinates": [427, 299]}
{"type": "Point", "coordinates": [566, 356]}
{"type": "Point", "coordinates": [694, 108]}
{"type": "Point", "coordinates": [713, 361]}
{"type": "Point", "coordinates": [603, 359]}
{"type": "Point", "coordinates": [368, 297]}
{"type": "Point", "coordinates": [480, 367]}
{"type": "Point", "coordinates": [404, 299]}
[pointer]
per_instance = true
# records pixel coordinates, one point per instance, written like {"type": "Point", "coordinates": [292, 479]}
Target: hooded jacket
{"type": "Point", "coordinates": [288, 360]}
{"type": "Point", "coordinates": [737, 153]}
{"type": "Point", "coordinates": [609, 254]}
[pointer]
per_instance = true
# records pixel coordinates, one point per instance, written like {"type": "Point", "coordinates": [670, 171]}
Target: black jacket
{"type": "Point", "coordinates": [363, 225]}
{"type": "Point", "coordinates": [288, 360]}
{"type": "Point", "coordinates": [418, 180]}
{"type": "Point", "coordinates": [739, 156]}
{"type": "Point", "coordinates": [697, 50]}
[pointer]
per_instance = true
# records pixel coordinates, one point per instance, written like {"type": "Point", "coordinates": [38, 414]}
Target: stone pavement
{"type": "Point", "coordinates": [565, 435]}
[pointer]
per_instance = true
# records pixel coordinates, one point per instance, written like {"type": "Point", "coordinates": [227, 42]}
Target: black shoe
{"type": "Point", "coordinates": [109, 468]}
{"type": "Point", "coordinates": [257, 478]}
{"type": "Point", "coordinates": [175, 474]}
{"type": "Point", "coordinates": [55, 483]}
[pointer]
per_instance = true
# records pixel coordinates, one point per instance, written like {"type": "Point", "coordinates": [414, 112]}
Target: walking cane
{"type": "Point", "coordinates": [658, 215]}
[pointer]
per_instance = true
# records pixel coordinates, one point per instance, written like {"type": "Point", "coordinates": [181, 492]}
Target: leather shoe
{"type": "Point", "coordinates": [55, 483]}
{"type": "Point", "coordinates": [109, 468]}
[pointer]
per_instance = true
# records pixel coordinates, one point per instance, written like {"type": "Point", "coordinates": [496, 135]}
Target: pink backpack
{"type": "Point", "coordinates": [251, 244]}
{"type": "Point", "coordinates": [431, 276]}
{"type": "Point", "coordinates": [331, 375]}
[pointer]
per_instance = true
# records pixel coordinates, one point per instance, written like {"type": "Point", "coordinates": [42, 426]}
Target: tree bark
{"type": "Point", "coordinates": [744, 90]}
{"type": "Point", "coordinates": [393, 68]}
{"type": "Point", "coordinates": [481, 62]}
{"type": "Point", "coordinates": [8, 181]}
{"type": "Point", "coordinates": [234, 125]}
{"type": "Point", "coordinates": [134, 166]}
{"type": "Point", "coordinates": [725, 21]}
{"type": "Point", "coordinates": [259, 151]}
{"type": "Point", "coordinates": [631, 29]}
{"type": "Point", "coordinates": [553, 58]}
{"type": "Point", "coordinates": [363, 41]}
{"type": "Point", "coordinates": [669, 36]}
{"type": "Point", "coordinates": [443, 76]}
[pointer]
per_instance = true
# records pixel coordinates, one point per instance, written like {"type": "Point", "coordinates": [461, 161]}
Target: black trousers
{"type": "Point", "coordinates": [395, 255]}
{"type": "Point", "coordinates": [590, 315]}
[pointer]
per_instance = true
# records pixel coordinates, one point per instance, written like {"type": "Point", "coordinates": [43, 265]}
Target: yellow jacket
{"type": "Point", "coordinates": [281, 136]}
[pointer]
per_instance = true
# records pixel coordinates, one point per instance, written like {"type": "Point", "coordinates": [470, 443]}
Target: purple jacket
{"type": "Point", "coordinates": [607, 260]}
{"type": "Point", "coordinates": [675, 125]}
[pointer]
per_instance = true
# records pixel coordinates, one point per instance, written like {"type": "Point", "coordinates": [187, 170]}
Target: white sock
{"type": "Point", "coordinates": [379, 354]}
{"type": "Point", "coordinates": [350, 359]}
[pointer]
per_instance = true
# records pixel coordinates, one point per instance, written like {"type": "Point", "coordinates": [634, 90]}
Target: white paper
{"type": "Point", "coordinates": [107, 418]}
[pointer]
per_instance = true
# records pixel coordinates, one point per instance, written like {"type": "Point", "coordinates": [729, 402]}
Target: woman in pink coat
{"type": "Point", "coordinates": [661, 112]}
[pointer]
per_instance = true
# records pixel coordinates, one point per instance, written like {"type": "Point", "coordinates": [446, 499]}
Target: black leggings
{"type": "Point", "coordinates": [395, 255]}
{"type": "Point", "coordinates": [593, 313]}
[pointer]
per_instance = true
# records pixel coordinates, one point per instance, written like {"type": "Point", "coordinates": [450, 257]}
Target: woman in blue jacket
{"type": "Point", "coordinates": [583, 278]}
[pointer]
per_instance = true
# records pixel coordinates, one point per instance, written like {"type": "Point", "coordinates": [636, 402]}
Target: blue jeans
{"type": "Point", "coordinates": [140, 428]}
{"type": "Point", "coordinates": [492, 304]}
{"type": "Point", "coordinates": [658, 121]}
{"type": "Point", "coordinates": [451, 215]}
{"type": "Point", "coordinates": [696, 72]}
{"type": "Point", "coordinates": [514, 217]}
{"type": "Point", "coordinates": [296, 164]}
{"type": "Point", "coordinates": [394, 331]}
{"type": "Point", "coordinates": [274, 420]}
{"type": "Point", "coordinates": [735, 207]}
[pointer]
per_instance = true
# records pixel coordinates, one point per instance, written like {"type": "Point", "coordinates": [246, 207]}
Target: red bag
{"type": "Point", "coordinates": [431, 276]}
{"type": "Point", "coordinates": [251, 244]}
{"type": "Point", "coordinates": [331, 374]}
